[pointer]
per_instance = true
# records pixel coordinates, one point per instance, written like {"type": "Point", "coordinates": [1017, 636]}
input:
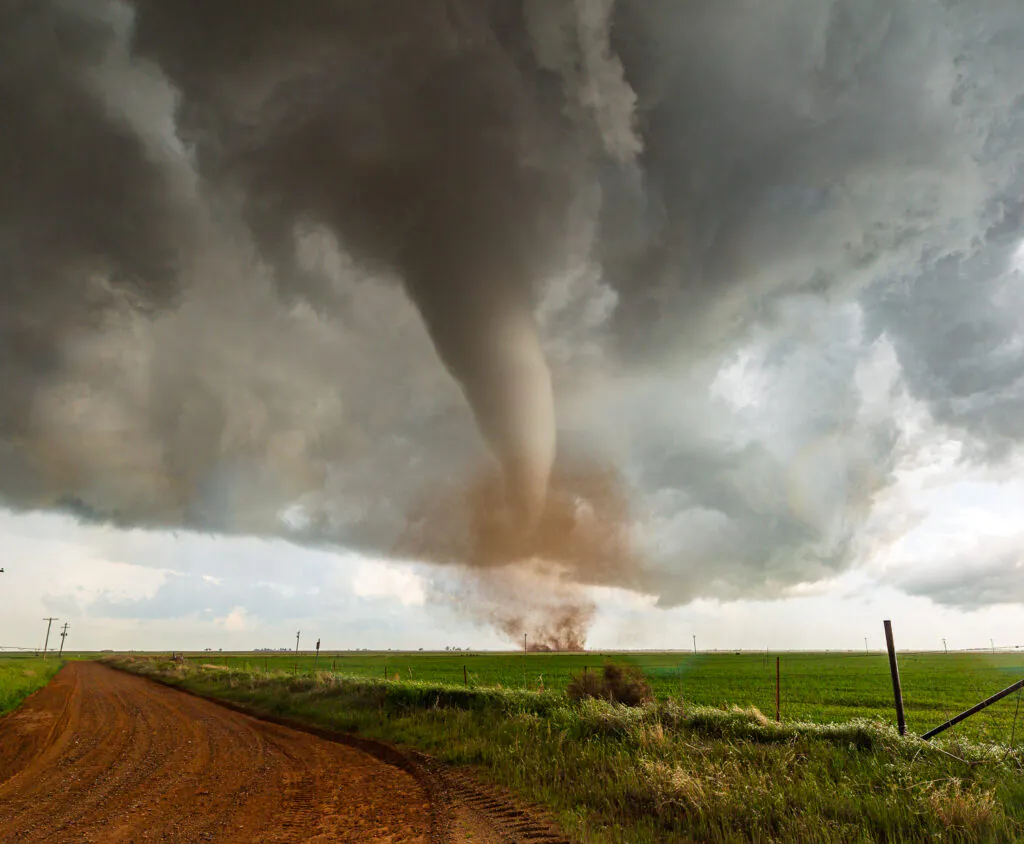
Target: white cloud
{"type": "Point", "coordinates": [235, 621]}
{"type": "Point", "coordinates": [382, 580]}
{"type": "Point", "coordinates": [1017, 264]}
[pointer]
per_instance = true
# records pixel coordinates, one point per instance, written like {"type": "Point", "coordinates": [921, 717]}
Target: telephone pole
{"type": "Point", "coordinates": [695, 644]}
{"type": "Point", "coordinates": [944, 648]}
{"type": "Point", "coordinates": [297, 634]}
{"type": "Point", "coordinates": [49, 622]}
{"type": "Point", "coordinates": [63, 636]}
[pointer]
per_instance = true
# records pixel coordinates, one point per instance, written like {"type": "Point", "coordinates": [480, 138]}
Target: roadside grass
{"type": "Point", "coordinates": [662, 771]}
{"type": "Point", "coordinates": [819, 687]}
{"type": "Point", "coordinates": [20, 676]}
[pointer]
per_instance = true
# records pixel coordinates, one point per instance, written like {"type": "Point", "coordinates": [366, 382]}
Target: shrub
{"type": "Point", "coordinates": [624, 684]}
{"type": "Point", "coordinates": [586, 685]}
{"type": "Point", "coordinates": [627, 684]}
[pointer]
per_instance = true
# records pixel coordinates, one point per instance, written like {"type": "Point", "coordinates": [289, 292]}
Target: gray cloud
{"type": "Point", "coordinates": [959, 334]}
{"type": "Point", "coordinates": [976, 578]}
{"type": "Point", "coordinates": [231, 257]}
{"type": "Point", "coordinates": [88, 222]}
{"type": "Point", "coordinates": [186, 595]}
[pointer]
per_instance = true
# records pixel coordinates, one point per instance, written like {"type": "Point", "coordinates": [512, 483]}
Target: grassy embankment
{"type": "Point", "coordinates": [820, 687]}
{"type": "Point", "coordinates": [663, 772]}
{"type": "Point", "coordinates": [20, 676]}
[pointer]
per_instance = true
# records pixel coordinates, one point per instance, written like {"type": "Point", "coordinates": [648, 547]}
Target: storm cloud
{"type": "Point", "coordinates": [270, 274]}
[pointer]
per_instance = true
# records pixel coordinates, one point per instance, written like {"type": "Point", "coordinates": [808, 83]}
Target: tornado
{"type": "Point", "coordinates": [487, 339]}
{"type": "Point", "coordinates": [426, 144]}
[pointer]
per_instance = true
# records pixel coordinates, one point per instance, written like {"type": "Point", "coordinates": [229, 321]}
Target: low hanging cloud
{"type": "Point", "coordinates": [294, 278]}
{"type": "Point", "coordinates": [986, 574]}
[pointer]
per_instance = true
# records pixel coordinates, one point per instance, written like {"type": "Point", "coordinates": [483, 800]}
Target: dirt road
{"type": "Point", "coordinates": [100, 755]}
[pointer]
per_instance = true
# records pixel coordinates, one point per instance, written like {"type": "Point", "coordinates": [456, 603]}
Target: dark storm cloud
{"type": "Point", "coordinates": [234, 241]}
{"type": "Point", "coordinates": [958, 331]}
{"type": "Point", "coordinates": [87, 220]}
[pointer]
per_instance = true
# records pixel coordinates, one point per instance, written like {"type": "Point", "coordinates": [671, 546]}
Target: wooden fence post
{"type": "Point", "coordinates": [894, 670]}
{"type": "Point", "coordinates": [778, 678]}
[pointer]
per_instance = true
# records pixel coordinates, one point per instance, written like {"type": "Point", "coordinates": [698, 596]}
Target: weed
{"type": "Point", "coordinates": [20, 676]}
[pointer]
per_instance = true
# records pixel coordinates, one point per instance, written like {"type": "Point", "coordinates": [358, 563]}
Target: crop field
{"type": "Point", "coordinates": [816, 687]}
{"type": "Point", "coordinates": [20, 676]}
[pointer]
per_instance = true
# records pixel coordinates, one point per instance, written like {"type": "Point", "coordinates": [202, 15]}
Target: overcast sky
{"type": "Point", "coordinates": [774, 257]}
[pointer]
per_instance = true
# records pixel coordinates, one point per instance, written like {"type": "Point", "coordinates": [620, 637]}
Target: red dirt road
{"type": "Point", "coordinates": [100, 755]}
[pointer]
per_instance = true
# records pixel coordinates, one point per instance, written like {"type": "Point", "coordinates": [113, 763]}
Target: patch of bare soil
{"type": "Point", "coordinates": [102, 755]}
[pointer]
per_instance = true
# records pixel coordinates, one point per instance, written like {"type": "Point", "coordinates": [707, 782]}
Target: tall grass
{"type": "Point", "coordinates": [815, 686]}
{"type": "Point", "coordinates": [664, 771]}
{"type": "Point", "coordinates": [19, 677]}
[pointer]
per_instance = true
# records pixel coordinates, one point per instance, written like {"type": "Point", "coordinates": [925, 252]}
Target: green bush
{"type": "Point", "coordinates": [623, 684]}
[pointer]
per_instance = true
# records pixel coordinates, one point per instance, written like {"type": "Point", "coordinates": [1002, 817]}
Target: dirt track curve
{"type": "Point", "coordinates": [100, 755]}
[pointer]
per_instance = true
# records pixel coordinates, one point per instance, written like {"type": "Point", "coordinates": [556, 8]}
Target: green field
{"type": "Point", "coordinates": [20, 676]}
{"type": "Point", "coordinates": [820, 687]}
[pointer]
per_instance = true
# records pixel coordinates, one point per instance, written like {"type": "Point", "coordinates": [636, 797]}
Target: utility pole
{"type": "Point", "coordinates": [993, 644]}
{"type": "Point", "coordinates": [866, 645]}
{"type": "Point", "coordinates": [694, 644]}
{"type": "Point", "coordinates": [63, 636]}
{"type": "Point", "coordinates": [944, 648]}
{"type": "Point", "coordinates": [316, 658]}
{"type": "Point", "coordinates": [297, 634]}
{"type": "Point", "coordinates": [49, 622]}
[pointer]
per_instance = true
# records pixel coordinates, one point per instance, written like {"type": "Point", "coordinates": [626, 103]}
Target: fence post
{"type": "Point", "coordinates": [778, 678]}
{"type": "Point", "coordinates": [897, 692]}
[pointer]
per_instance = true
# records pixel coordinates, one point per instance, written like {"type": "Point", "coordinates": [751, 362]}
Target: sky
{"type": "Point", "coordinates": [303, 319]}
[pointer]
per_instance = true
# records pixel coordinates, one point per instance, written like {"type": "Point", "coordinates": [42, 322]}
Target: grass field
{"type": "Point", "coordinates": [819, 687]}
{"type": "Point", "coordinates": [20, 676]}
{"type": "Point", "coordinates": [664, 771]}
